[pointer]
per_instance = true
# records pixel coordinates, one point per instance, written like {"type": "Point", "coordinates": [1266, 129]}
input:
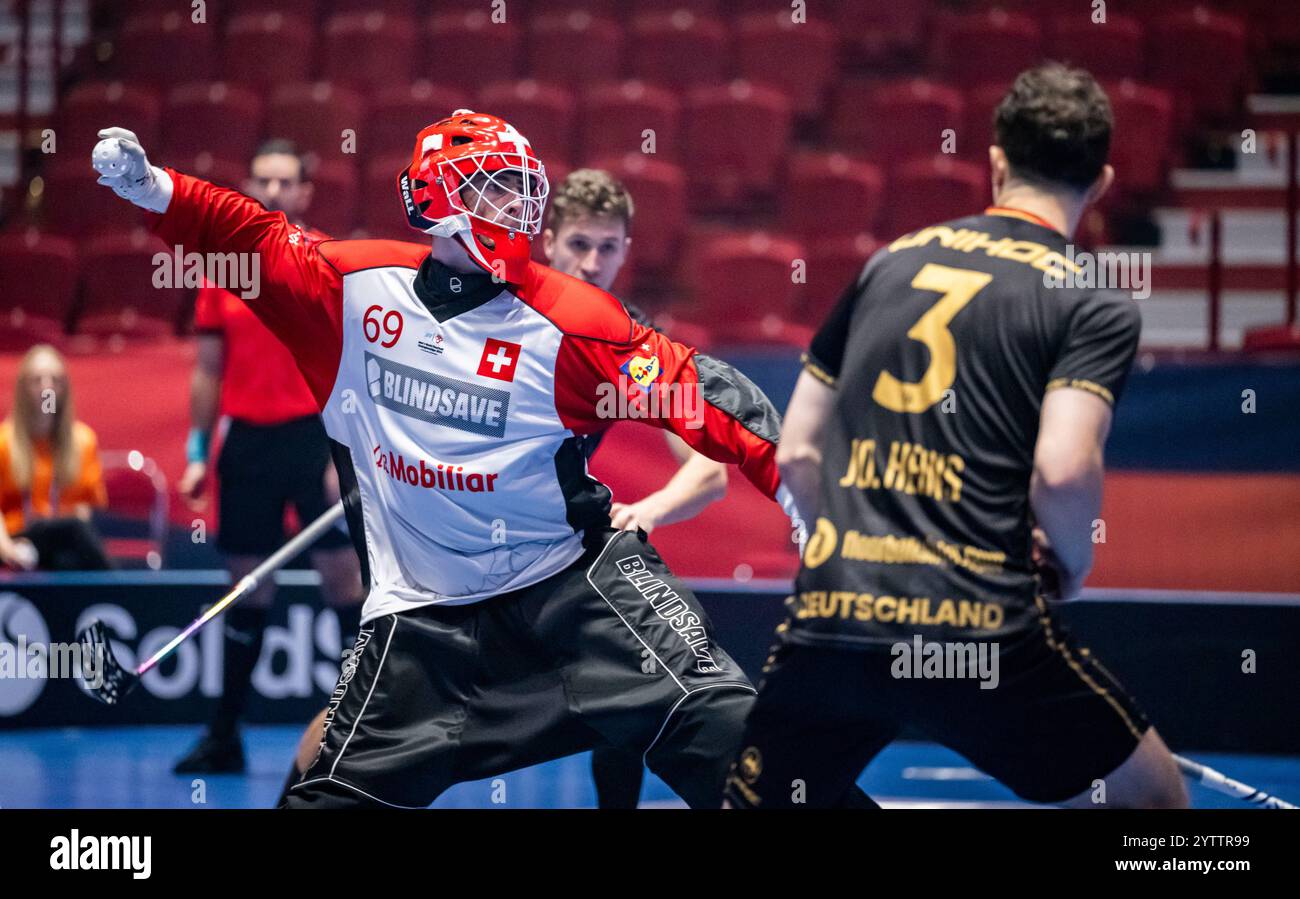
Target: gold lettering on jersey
{"type": "Point", "coordinates": [909, 468]}
{"type": "Point", "coordinates": [888, 549]}
{"type": "Point", "coordinates": [958, 287]}
{"type": "Point", "coordinates": [821, 546]}
{"type": "Point", "coordinates": [862, 466]}
{"type": "Point", "coordinates": [965, 240]}
{"type": "Point", "coordinates": [848, 605]}
{"type": "Point", "coordinates": [980, 561]}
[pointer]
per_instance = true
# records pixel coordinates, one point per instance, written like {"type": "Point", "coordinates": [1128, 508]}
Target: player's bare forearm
{"type": "Point", "coordinates": [1065, 488]}
{"type": "Point", "coordinates": [799, 454]}
{"type": "Point", "coordinates": [205, 384]}
{"type": "Point", "coordinates": [697, 483]}
{"type": "Point", "coordinates": [1065, 510]}
{"type": "Point", "coordinates": [802, 476]}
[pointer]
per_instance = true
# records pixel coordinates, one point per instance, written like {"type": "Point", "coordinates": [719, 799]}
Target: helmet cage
{"type": "Point", "coordinates": [478, 184]}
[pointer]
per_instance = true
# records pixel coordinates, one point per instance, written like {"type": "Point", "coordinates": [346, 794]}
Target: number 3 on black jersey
{"type": "Point", "coordinates": [958, 286]}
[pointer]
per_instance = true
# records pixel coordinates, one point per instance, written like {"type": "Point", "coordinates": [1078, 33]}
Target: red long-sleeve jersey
{"type": "Point", "coordinates": [462, 423]}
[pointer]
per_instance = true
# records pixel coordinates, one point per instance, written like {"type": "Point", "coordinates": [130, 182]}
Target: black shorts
{"type": "Point", "coordinates": [1055, 721]}
{"type": "Point", "coordinates": [612, 650]}
{"type": "Point", "coordinates": [66, 543]}
{"type": "Point", "coordinates": [261, 469]}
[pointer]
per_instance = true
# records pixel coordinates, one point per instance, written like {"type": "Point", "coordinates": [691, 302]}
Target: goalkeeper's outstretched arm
{"type": "Point", "coordinates": [297, 293]}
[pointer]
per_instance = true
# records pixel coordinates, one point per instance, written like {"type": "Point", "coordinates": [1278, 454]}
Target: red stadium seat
{"type": "Point", "coordinates": [222, 172]}
{"type": "Point", "coordinates": [879, 32]}
{"type": "Point", "coordinates": [150, 7]}
{"type": "Point", "coordinates": [695, 7]}
{"type": "Point", "coordinates": [679, 49]}
{"type": "Point", "coordinates": [1142, 145]}
{"type": "Point", "coordinates": [741, 8]}
{"type": "Point", "coordinates": [574, 49]}
{"type": "Point", "coordinates": [1201, 56]}
{"type": "Point", "coordinates": [467, 43]}
{"type": "Point", "coordinates": [397, 114]}
{"type": "Point", "coordinates": [73, 204]}
{"type": "Point", "coordinates": [833, 265]}
{"type": "Point", "coordinates": [658, 190]}
{"type": "Point", "coordinates": [742, 285]}
{"type": "Point", "coordinates": [515, 11]}
{"type": "Point", "coordinates": [895, 120]}
{"type": "Point", "coordinates": [609, 9]}
{"type": "Point", "coordinates": [87, 107]}
{"type": "Point", "coordinates": [1111, 50]}
{"type": "Point", "coordinates": [224, 120]}
{"type": "Point", "coordinates": [165, 48]}
{"type": "Point", "coordinates": [334, 198]}
{"type": "Point", "coordinates": [268, 48]}
{"type": "Point", "coordinates": [371, 50]}
{"type": "Point", "coordinates": [829, 194]}
{"type": "Point", "coordinates": [543, 113]}
{"type": "Point", "coordinates": [735, 138]}
{"type": "Point", "coordinates": [986, 46]}
{"type": "Point", "coordinates": [392, 7]}
{"type": "Point", "coordinates": [981, 103]}
{"type": "Point", "coordinates": [39, 272]}
{"type": "Point", "coordinates": [1051, 9]}
{"type": "Point", "coordinates": [797, 58]}
{"type": "Point", "coordinates": [934, 189]}
{"type": "Point", "coordinates": [700, 233]}
{"type": "Point", "coordinates": [314, 116]}
{"type": "Point", "coordinates": [615, 118]}
{"type": "Point", "coordinates": [307, 9]}
{"type": "Point", "coordinates": [1275, 24]}
{"type": "Point", "coordinates": [128, 304]}
{"type": "Point", "coordinates": [134, 534]}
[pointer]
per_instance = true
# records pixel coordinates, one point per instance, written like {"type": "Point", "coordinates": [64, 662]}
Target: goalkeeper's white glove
{"type": "Point", "coordinates": [122, 165]}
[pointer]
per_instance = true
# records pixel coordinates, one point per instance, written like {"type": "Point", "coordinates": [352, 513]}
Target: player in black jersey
{"type": "Point", "coordinates": [946, 437]}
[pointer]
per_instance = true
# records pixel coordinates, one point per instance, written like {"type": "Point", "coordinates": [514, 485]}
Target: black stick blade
{"type": "Point", "coordinates": [103, 675]}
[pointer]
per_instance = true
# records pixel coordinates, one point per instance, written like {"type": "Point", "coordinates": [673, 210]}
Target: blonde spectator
{"type": "Point", "coordinates": [50, 475]}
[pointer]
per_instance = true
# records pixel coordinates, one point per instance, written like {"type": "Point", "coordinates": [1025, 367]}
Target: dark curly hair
{"type": "Point", "coordinates": [1055, 125]}
{"type": "Point", "coordinates": [590, 192]}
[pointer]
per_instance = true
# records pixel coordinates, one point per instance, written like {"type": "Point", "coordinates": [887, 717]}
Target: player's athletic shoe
{"type": "Point", "coordinates": [213, 755]}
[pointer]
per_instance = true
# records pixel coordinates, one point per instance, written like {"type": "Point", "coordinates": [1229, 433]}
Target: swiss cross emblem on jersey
{"type": "Point", "coordinates": [499, 359]}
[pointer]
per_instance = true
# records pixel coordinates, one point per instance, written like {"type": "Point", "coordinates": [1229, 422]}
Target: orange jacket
{"type": "Point", "coordinates": [89, 486]}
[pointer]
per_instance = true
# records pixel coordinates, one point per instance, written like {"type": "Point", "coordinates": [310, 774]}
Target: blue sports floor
{"type": "Point", "coordinates": [130, 767]}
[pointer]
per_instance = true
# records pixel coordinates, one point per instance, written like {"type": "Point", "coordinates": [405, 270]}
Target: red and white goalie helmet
{"type": "Point", "coordinates": [475, 179]}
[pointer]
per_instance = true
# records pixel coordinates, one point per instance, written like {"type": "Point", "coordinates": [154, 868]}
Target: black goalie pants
{"type": "Point", "coordinates": [612, 650]}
